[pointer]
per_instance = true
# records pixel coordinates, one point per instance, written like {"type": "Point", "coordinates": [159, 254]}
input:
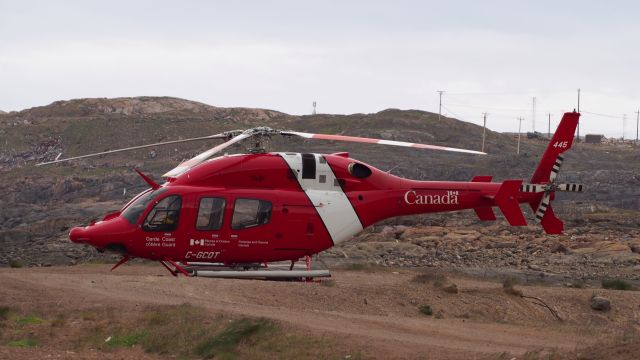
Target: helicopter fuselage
{"type": "Point", "coordinates": [257, 208]}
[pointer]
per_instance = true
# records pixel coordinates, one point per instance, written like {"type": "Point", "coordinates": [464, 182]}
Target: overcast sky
{"type": "Point", "coordinates": [349, 56]}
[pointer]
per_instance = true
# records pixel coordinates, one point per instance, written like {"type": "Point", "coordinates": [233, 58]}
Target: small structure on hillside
{"type": "Point", "coordinates": [593, 138]}
{"type": "Point", "coordinates": [534, 135]}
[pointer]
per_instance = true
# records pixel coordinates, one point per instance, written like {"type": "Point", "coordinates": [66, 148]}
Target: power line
{"type": "Point", "coordinates": [485, 93]}
{"type": "Point", "coordinates": [485, 107]}
{"type": "Point", "coordinates": [600, 114]}
{"type": "Point", "coordinates": [454, 114]}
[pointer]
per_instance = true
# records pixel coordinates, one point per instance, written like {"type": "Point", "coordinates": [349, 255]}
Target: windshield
{"type": "Point", "coordinates": [137, 207]}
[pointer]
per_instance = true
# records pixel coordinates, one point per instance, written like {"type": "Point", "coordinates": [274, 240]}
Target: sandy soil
{"type": "Point", "coordinates": [376, 311]}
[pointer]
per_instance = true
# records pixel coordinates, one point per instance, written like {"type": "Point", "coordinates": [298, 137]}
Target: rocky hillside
{"type": "Point", "coordinates": [41, 203]}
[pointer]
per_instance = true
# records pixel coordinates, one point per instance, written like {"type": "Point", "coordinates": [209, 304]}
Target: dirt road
{"type": "Point", "coordinates": [374, 310]}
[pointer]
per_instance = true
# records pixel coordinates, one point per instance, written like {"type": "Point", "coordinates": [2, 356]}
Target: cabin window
{"type": "Point", "coordinates": [164, 215]}
{"type": "Point", "coordinates": [308, 166]}
{"type": "Point", "coordinates": [249, 213]}
{"type": "Point", "coordinates": [210, 214]}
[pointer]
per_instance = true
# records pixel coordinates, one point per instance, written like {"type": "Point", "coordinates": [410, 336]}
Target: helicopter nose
{"type": "Point", "coordinates": [77, 235]}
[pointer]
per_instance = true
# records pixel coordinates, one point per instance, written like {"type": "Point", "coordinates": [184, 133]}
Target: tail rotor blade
{"type": "Point", "coordinates": [571, 187]}
{"type": "Point", "coordinates": [544, 204]}
{"type": "Point", "coordinates": [532, 188]}
{"type": "Point", "coordinates": [556, 169]}
{"type": "Point", "coordinates": [378, 141]}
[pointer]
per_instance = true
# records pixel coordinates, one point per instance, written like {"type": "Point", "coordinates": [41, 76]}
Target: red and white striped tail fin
{"type": "Point", "coordinates": [544, 177]}
{"type": "Point", "coordinates": [561, 141]}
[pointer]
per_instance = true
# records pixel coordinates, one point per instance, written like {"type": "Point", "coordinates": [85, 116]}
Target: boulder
{"type": "Point", "coordinates": [600, 303]}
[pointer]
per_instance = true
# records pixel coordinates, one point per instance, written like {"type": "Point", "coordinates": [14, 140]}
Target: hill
{"type": "Point", "coordinates": [41, 203]}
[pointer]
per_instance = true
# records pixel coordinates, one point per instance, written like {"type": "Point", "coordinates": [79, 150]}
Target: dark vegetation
{"type": "Point", "coordinates": [426, 309]}
{"type": "Point", "coordinates": [508, 286]}
{"type": "Point", "coordinates": [183, 331]}
{"type": "Point", "coordinates": [616, 284]}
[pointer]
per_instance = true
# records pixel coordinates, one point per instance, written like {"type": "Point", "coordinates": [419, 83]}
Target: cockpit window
{"type": "Point", "coordinates": [133, 211]}
{"type": "Point", "coordinates": [164, 215]}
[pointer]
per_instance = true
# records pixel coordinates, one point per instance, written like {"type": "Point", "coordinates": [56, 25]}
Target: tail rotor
{"type": "Point", "coordinates": [544, 177]}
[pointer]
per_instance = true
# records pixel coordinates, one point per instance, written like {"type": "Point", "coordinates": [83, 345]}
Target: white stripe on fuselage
{"type": "Point", "coordinates": [330, 201]}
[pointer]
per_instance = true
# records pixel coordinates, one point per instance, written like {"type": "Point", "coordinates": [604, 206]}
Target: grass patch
{"type": "Point", "coordinates": [616, 284]}
{"type": "Point", "coordinates": [177, 329]}
{"type": "Point", "coordinates": [29, 320]}
{"type": "Point", "coordinates": [426, 309]}
{"type": "Point", "coordinates": [508, 286]}
{"type": "Point", "coordinates": [89, 315]}
{"type": "Point", "coordinates": [364, 266]}
{"type": "Point", "coordinates": [59, 321]}
{"type": "Point", "coordinates": [15, 264]}
{"type": "Point", "coordinates": [4, 312]}
{"type": "Point", "coordinates": [25, 343]}
{"type": "Point", "coordinates": [223, 344]}
{"type": "Point", "coordinates": [359, 266]}
{"type": "Point", "coordinates": [440, 281]}
{"type": "Point", "coordinates": [427, 277]}
{"type": "Point", "coordinates": [127, 340]}
{"type": "Point", "coordinates": [183, 331]}
{"type": "Point", "coordinates": [328, 283]}
{"type": "Point", "coordinates": [577, 285]}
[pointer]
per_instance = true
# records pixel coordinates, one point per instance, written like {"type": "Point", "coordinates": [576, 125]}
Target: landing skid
{"type": "Point", "coordinates": [274, 271]}
{"type": "Point", "coordinates": [267, 274]}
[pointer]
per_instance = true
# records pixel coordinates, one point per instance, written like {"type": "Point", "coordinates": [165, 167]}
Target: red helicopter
{"type": "Point", "coordinates": [232, 215]}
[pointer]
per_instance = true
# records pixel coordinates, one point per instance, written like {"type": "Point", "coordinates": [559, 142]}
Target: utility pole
{"type": "Point", "coordinates": [440, 106]}
{"type": "Point", "coordinates": [519, 131]}
{"type": "Point", "coordinates": [578, 113]}
{"type": "Point", "coordinates": [484, 128]}
{"type": "Point", "coordinates": [637, 123]}
{"type": "Point", "coordinates": [624, 125]}
{"type": "Point", "coordinates": [549, 127]}
{"type": "Point", "coordinates": [533, 115]}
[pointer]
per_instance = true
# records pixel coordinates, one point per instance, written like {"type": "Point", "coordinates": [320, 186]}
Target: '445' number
{"type": "Point", "coordinates": [561, 144]}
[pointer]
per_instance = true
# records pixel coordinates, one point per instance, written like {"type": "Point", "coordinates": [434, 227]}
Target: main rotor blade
{"type": "Point", "coordinates": [183, 167]}
{"type": "Point", "coordinates": [216, 136]}
{"type": "Point", "coordinates": [379, 141]}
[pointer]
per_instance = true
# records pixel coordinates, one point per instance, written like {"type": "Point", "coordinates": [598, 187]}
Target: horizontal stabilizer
{"type": "Point", "coordinates": [485, 213]}
{"type": "Point", "coordinates": [507, 201]}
